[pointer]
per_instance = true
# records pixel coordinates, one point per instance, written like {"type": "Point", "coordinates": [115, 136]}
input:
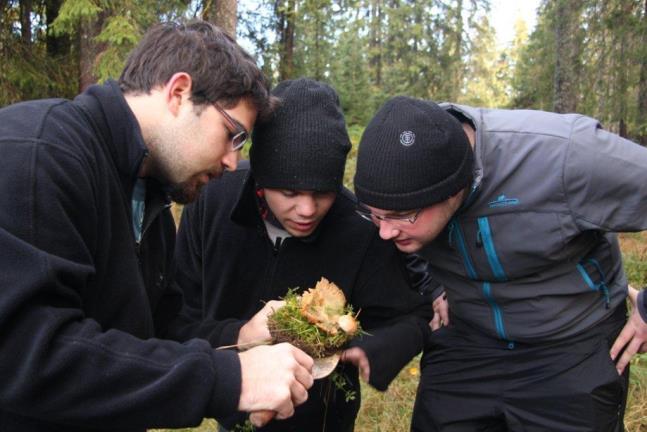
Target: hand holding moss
{"type": "Point", "coordinates": [256, 330]}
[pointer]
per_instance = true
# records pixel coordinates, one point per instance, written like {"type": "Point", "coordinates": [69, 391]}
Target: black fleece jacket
{"type": "Point", "coordinates": [80, 301]}
{"type": "Point", "coordinates": [228, 268]}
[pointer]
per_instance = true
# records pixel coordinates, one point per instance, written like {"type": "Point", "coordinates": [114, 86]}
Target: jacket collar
{"type": "Point", "coordinates": [475, 115]}
{"type": "Point", "coordinates": [116, 128]}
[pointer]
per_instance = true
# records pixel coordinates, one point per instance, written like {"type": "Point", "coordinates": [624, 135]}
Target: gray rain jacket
{"type": "Point", "coordinates": [531, 255]}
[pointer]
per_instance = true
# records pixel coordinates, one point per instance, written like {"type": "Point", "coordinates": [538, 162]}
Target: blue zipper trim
{"type": "Point", "coordinates": [498, 316]}
{"type": "Point", "coordinates": [490, 251]}
{"type": "Point", "coordinates": [485, 235]}
{"type": "Point", "coordinates": [601, 287]}
{"type": "Point", "coordinates": [586, 276]}
{"type": "Point", "coordinates": [455, 229]}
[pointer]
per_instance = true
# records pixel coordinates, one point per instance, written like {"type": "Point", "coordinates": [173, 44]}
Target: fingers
{"type": "Point", "coordinates": [256, 328]}
{"type": "Point", "coordinates": [273, 305]}
{"type": "Point", "coordinates": [622, 340]}
{"type": "Point", "coordinates": [632, 338]}
{"type": "Point", "coordinates": [299, 389]}
{"type": "Point", "coordinates": [303, 359]}
{"type": "Point", "coordinates": [364, 369]}
{"type": "Point", "coordinates": [627, 355]}
{"type": "Point", "coordinates": [435, 321]}
{"type": "Point", "coordinates": [261, 418]}
{"type": "Point", "coordinates": [441, 312]}
{"type": "Point", "coordinates": [358, 357]}
{"type": "Point", "coordinates": [444, 313]}
{"type": "Point", "coordinates": [274, 378]}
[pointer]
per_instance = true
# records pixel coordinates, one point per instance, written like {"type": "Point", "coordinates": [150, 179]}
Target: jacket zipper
{"type": "Point", "coordinates": [484, 237]}
{"type": "Point", "coordinates": [456, 231]}
{"type": "Point", "coordinates": [498, 315]}
{"type": "Point", "coordinates": [485, 234]}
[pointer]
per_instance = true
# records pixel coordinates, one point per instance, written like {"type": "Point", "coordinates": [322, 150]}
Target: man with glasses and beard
{"type": "Point", "coordinates": [87, 238]}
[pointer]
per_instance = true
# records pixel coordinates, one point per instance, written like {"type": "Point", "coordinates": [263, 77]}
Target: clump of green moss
{"type": "Point", "coordinates": [288, 324]}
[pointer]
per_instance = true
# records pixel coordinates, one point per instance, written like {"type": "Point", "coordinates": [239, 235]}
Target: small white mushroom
{"type": "Point", "coordinates": [348, 324]}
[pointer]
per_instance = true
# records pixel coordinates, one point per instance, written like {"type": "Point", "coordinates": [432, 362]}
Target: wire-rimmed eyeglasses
{"type": "Point", "coordinates": [410, 216]}
{"type": "Point", "coordinates": [239, 135]}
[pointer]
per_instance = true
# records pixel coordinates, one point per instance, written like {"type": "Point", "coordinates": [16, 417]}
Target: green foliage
{"type": "Point", "coordinates": [29, 72]}
{"type": "Point", "coordinates": [120, 34]}
{"type": "Point", "coordinates": [370, 50]}
{"type": "Point", "coordinates": [355, 133]}
{"type": "Point", "coordinates": [118, 26]}
{"type": "Point", "coordinates": [532, 82]}
{"type": "Point", "coordinates": [73, 12]}
{"type": "Point", "coordinates": [245, 427]}
{"type": "Point", "coordinates": [341, 383]}
{"type": "Point", "coordinates": [486, 70]}
{"type": "Point", "coordinates": [608, 77]}
{"type": "Point", "coordinates": [120, 30]}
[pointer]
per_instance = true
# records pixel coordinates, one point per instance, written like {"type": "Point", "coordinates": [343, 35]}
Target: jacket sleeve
{"type": "Point", "coordinates": [605, 179]}
{"type": "Point", "coordinates": [393, 314]}
{"type": "Point", "coordinates": [421, 278]}
{"type": "Point", "coordinates": [192, 321]}
{"type": "Point", "coordinates": [57, 364]}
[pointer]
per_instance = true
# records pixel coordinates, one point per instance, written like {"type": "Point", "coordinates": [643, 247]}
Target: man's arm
{"type": "Point", "coordinates": [59, 365]}
{"type": "Point", "coordinates": [605, 181]}
{"type": "Point", "coordinates": [424, 283]}
{"type": "Point", "coordinates": [191, 321]}
{"type": "Point", "coordinates": [54, 359]}
{"type": "Point", "coordinates": [395, 315]}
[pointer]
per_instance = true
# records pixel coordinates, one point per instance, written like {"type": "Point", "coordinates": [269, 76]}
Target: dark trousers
{"type": "Point", "coordinates": [470, 382]}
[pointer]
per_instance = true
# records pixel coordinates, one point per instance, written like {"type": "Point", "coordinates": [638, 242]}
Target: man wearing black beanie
{"type": "Point", "coordinates": [285, 223]}
{"type": "Point", "coordinates": [515, 212]}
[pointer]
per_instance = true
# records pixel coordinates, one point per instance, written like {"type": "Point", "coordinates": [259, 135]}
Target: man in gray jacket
{"type": "Point", "coordinates": [516, 212]}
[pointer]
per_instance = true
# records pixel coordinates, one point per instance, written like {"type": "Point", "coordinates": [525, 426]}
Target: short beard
{"type": "Point", "coordinates": [183, 193]}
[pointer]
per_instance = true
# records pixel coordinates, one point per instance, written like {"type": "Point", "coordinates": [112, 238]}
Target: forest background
{"type": "Point", "coordinates": [587, 56]}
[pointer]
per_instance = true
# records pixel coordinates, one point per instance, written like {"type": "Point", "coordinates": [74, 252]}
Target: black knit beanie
{"type": "Point", "coordinates": [303, 145]}
{"type": "Point", "coordinates": [412, 154]}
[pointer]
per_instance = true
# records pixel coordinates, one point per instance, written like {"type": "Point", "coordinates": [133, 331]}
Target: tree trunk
{"type": "Point", "coordinates": [642, 83]}
{"type": "Point", "coordinates": [317, 51]}
{"type": "Point", "coordinates": [25, 22]}
{"type": "Point", "coordinates": [57, 46]}
{"type": "Point", "coordinates": [89, 50]}
{"type": "Point", "coordinates": [5, 27]}
{"type": "Point", "coordinates": [456, 69]}
{"type": "Point", "coordinates": [375, 42]}
{"type": "Point", "coordinates": [286, 13]}
{"type": "Point", "coordinates": [621, 87]}
{"type": "Point", "coordinates": [222, 13]}
{"type": "Point", "coordinates": [567, 52]}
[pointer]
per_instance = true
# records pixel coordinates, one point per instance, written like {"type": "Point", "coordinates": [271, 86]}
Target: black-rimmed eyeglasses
{"type": "Point", "coordinates": [239, 136]}
{"type": "Point", "coordinates": [410, 217]}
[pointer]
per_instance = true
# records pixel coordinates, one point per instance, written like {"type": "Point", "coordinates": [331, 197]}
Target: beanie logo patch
{"type": "Point", "coordinates": [407, 138]}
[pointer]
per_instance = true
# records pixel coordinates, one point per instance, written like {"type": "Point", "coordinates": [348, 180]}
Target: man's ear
{"type": "Point", "coordinates": [177, 91]}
